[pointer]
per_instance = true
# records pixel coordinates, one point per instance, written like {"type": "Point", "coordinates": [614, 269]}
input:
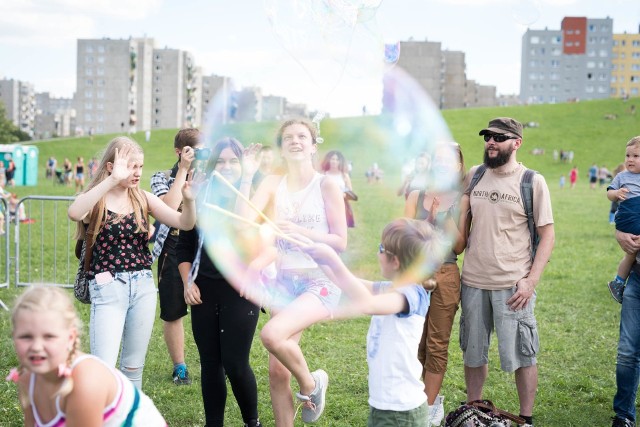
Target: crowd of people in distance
{"type": "Point", "coordinates": [69, 173]}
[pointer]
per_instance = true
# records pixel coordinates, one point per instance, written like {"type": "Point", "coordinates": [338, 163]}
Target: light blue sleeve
{"type": "Point", "coordinates": [417, 298]}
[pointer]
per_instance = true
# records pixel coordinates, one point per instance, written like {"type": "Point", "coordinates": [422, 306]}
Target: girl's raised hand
{"type": "Point", "coordinates": [187, 193]}
{"type": "Point", "coordinates": [251, 160]}
{"type": "Point", "coordinates": [120, 168]}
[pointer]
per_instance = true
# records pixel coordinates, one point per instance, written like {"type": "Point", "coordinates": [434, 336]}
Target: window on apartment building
{"type": "Point", "coordinates": [621, 67]}
{"type": "Point", "coordinates": [541, 76]}
{"type": "Point", "coordinates": [589, 76]}
{"type": "Point", "coordinates": [100, 82]}
{"type": "Point", "coordinates": [88, 72]}
{"type": "Point", "coordinates": [100, 59]}
{"type": "Point", "coordinates": [577, 43]}
{"type": "Point", "coordinates": [634, 91]}
{"type": "Point", "coordinates": [569, 32]}
{"type": "Point", "coordinates": [589, 89]}
{"type": "Point", "coordinates": [533, 52]}
{"type": "Point", "coordinates": [100, 94]}
{"type": "Point", "coordinates": [158, 67]}
{"type": "Point", "coordinates": [635, 67]}
{"type": "Point", "coordinates": [591, 53]}
{"type": "Point", "coordinates": [88, 106]}
{"type": "Point", "coordinates": [577, 31]}
{"type": "Point", "coordinates": [100, 49]}
{"type": "Point", "coordinates": [569, 44]}
{"type": "Point", "coordinates": [533, 63]}
{"type": "Point", "coordinates": [635, 55]}
{"type": "Point", "coordinates": [554, 63]}
{"type": "Point", "coordinates": [591, 64]}
{"type": "Point", "coordinates": [89, 82]}
{"type": "Point", "coordinates": [556, 52]}
{"type": "Point", "coordinates": [88, 59]}
{"type": "Point", "coordinates": [623, 42]}
{"type": "Point", "coordinates": [157, 111]}
{"type": "Point", "coordinates": [533, 76]}
{"type": "Point", "coordinates": [100, 117]}
{"type": "Point", "coordinates": [602, 77]}
{"type": "Point", "coordinates": [88, 49]}
{"type": "Point", "coordinates": [613, 79]}
{"type": "Point", "coordinates": [100, 128]}
{"type": "Point", "coordinates": [99, 106]}
{"type": "Point", "coordinates": [158, 58]}
{"type": "Point", "coordinates": [635, 43]}
{"type": "Point", "coordinates": [554, 76]}
{"type": "Point", "coordinates": [553, 87]}
{"type": "Point", "coordinates": [87, 117]}
{"type": "Point", "coordinates": [100, 71]}
{"type": "Point", "coordinates": [635, 79]}
{"type": "Point", "coordinates": [534, 40]}
{"type": "Point", "coordinates": [88, 94]}
{"type": "Point", "coordinates": [592, 27]}
{"type": "Point", "coordinates": [614, 55]}
{"type": "Point", "coordinates": [542, 51]}
{"type": "Point", "coordinates": [556, 40]}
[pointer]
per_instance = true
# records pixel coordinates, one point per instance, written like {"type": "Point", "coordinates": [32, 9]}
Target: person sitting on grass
{"type": "Point", "coordinates": [625, 189]}
{"type": "Point", "coordinates": [398, 308]}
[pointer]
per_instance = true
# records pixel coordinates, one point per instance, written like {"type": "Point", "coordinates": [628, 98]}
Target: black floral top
{"type": "Point", "coordinates": [119, 248]}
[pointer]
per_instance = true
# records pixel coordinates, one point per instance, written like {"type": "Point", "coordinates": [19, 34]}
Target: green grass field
{"type": "Point", "coordinates": [578, 320]}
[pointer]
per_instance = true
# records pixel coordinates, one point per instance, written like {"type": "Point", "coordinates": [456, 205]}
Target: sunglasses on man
{"type": "Point", "coordinates": [497, 137]}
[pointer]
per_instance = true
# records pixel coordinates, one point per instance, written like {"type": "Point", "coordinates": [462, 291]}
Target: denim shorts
{"type": "Point", "coordinates": [295, 282]}
{"type": "Point", "coordinates": [517, 331]}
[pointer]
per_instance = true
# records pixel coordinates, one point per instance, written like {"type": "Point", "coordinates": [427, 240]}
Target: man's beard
{"type": "Point", "coordinates": [500, 160]}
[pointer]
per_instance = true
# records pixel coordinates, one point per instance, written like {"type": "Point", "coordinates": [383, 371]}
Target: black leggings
{"type": "Point", "coordinates": [223, 328]}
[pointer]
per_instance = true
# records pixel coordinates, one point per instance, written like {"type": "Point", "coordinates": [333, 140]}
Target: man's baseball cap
{"type": "Point", "coordinates": [504, 126]}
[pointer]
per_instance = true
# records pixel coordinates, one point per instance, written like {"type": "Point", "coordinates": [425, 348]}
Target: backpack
{"type": "Point", "coordinates": [526, 192]}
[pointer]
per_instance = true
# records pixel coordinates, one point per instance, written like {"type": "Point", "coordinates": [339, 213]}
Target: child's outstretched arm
{"type": "Point", "coordinates": [365, 302]}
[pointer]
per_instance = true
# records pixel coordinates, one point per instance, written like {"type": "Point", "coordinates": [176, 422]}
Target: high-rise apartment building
{"type": "Point", "coordinates": [19, 101]}
{"type": "Point", "coordinates": [177, 90]}
{"type": "Point", "coordinates": [573, 63]}
{"type": "Point", "coordinates": [625, 75]}
{"type": "Point", "coordinates": [114, 84]}
{"type": "Point", "coordinates": [442, 74]}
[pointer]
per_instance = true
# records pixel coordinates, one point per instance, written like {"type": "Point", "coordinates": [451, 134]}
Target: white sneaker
{"type": "Point", "coordinates": [436, 412]}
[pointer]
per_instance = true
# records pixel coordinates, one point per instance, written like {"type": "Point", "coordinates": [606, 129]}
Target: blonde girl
{"type": "Point", "coordinates": [123, 294]}
{"type": "Point", "coordinates": [306, 204]}
{"type": "Point", "coordinates": [58, 384]}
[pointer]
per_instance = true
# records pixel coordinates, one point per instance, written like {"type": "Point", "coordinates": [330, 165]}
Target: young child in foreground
{"type": "Point", "coordinates": [399, 307]}
{"type": "Point", "coordinates": [59, 385]}
{"type": "Point", "coordinates": [625, 188]}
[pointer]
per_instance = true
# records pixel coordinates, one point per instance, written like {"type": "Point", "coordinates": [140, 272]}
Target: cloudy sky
{"type": "Point", "coordinates": [326, 56]}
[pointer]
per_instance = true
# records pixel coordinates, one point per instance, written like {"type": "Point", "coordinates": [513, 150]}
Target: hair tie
{"type": "Point", "coordinates": [14, 375]}
{"type": "Point", "coordinates": [64, 371]}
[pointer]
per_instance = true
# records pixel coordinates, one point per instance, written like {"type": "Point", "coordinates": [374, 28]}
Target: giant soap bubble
{"type": "Point", "coordinates": [385, 151]}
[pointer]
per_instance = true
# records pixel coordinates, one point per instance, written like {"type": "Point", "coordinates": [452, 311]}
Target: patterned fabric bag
{"type": "Point", "coordinates": [81, 285]}
{"type": "Point", "coordinates": [481, 413]}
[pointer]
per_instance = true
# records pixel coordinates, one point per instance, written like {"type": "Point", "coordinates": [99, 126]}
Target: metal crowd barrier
{"type": "Point", "coordinates": [44, 243]}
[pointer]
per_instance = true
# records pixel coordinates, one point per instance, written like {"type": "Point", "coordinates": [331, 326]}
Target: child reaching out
{"type": "Point", "coordinates": [58, 384]}
{"type": "Point", "coordinates": [399, 308]}
{"type": "Point", "coordinates": [625, 188]}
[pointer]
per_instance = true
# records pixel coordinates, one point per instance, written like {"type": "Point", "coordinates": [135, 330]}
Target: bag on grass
{"type": "Point", "coordinates": [481, 413]}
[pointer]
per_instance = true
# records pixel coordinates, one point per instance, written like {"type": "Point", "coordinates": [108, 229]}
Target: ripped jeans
{"type": "Point", "coordinates": [122, 316]}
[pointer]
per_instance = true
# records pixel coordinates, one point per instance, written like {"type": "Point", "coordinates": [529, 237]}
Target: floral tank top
{"type": "Point", "coordinates": [119, 248]}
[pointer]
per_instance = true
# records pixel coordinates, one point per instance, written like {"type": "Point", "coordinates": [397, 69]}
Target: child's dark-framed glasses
{"type": "Point", "coordinates": [497, 137]}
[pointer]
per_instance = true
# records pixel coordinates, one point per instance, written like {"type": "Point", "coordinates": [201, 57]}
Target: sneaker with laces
{"type": "Point", "coordinates": [181, 375]}
{"type": "Point", "coordinates": [313, 405]}
{"type": "Point", "coordinates": [622, 422]}
{"type": "Point", "coordinates": [436, 412]}
{"type": "Point", "coordinates": [616, 288]}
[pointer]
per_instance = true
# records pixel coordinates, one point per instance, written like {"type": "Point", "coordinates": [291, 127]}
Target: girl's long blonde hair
{"type": "Point", "coordinates": [49, 298]}
{"type": "Point", "coordinates": [137, 198]}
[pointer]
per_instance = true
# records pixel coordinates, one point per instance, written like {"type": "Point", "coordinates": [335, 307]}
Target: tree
{"type": "Point", "coordinates": [8, 131]}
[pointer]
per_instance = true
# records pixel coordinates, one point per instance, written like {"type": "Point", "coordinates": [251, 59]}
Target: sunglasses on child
{"type": "Point", "coordinates": [497, 137]}
{"type": "Point", "coordinates": [382, 250]}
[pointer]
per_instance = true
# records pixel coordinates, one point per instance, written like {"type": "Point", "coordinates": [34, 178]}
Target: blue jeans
{"type": "Point", "coordinates": [122, 316]}
{"type": "Point", "coordinates": [628, 363]}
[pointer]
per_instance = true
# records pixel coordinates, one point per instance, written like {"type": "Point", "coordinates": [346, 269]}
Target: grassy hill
{"type": "Point", "coordinates": [578, 320]}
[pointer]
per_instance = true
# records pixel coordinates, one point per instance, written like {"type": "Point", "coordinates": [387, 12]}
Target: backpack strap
{"type": "Point", "coordinates": [477, 176]}
{"type": "Point", "coordinates": [526, 192]}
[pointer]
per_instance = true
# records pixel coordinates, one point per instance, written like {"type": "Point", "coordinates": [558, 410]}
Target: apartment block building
{"type": "Point", "coordinates": [54, 116]}
{"type": "Point", "coordinates": [114, 85]}
{"type": "Point", "coordinates": [625, 73]}
{"type": "Point", "coordinates": [19, 102]}
{"type": "Point", "coordinates": [177, 94]}
{"type": "Point", "coordinates": [442, 74]}
{"type": "Point", "coordinates": [573, 63]}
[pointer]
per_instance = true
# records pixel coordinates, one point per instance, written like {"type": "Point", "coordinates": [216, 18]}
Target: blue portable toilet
{"type": "Point", "coordinates": [30, 165]}
{"type": "Point", "coordinates": [15, 152]}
